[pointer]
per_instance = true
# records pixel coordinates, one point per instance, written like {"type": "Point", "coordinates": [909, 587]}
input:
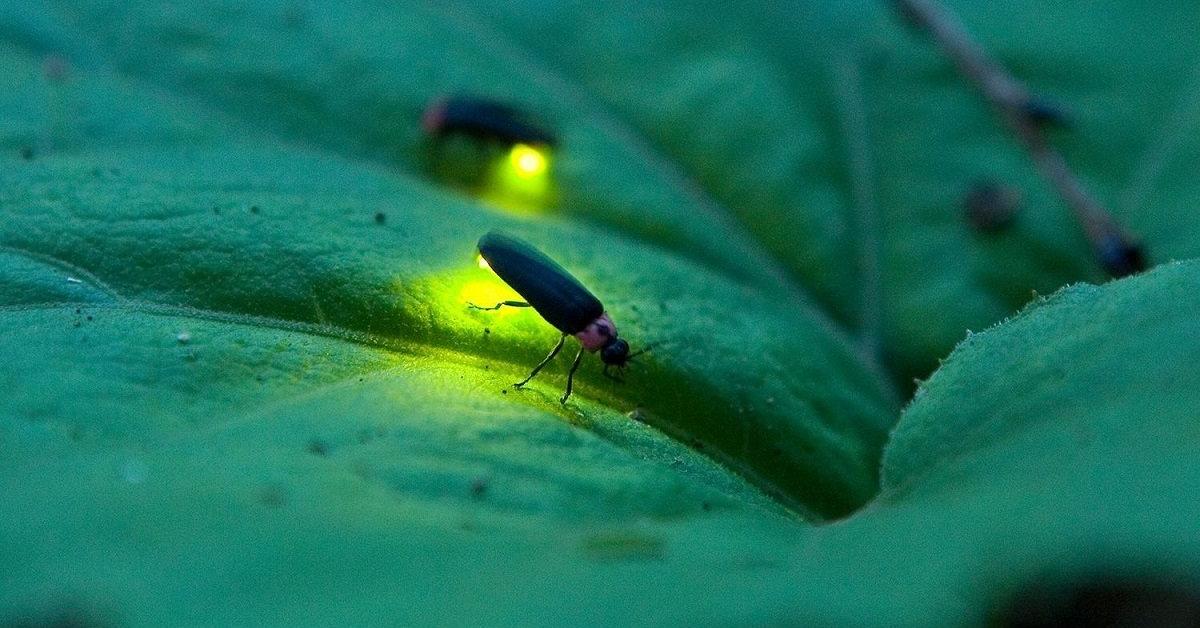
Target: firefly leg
{"type": "Point", "coordinates": [558, 347]}
{"type": "Point", "coordinates": [498, 305]}
{"type": "Point", "coordinates": [571, 376]}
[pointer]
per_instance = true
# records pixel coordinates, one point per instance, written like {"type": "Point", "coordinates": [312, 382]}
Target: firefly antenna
{"type": "Point", "coordinates": [646, 349]}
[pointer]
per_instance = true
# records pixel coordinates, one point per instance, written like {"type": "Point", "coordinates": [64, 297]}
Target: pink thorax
{"type": "Point", "coordinates": [597, 333]}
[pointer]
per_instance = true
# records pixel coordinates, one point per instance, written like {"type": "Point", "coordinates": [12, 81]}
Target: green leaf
{"type": "Point", "coordinates": [242, 386]}
{"type": "Point", "coordinates": [1067, 383]}
{"type": "Point", "coordinates": [1051, 451]}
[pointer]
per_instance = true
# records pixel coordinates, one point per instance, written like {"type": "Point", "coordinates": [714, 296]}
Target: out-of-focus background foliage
{"type": "Point", "coordinates": [242, 387]}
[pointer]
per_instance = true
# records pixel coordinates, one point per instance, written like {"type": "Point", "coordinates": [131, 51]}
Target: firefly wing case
{"type": "Point", "coordinates": [548, 287]}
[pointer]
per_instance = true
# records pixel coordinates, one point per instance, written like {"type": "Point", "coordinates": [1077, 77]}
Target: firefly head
{"type": "Point", "coordinates": [615, 352]}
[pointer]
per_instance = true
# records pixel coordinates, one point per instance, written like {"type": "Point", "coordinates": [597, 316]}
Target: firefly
{"type": "Point", "coordinates": [559, 298]}
{"type": "Point", "coordinates": [486, 120]}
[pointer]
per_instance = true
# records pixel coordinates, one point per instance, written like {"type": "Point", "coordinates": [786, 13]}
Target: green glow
{"type": "Point", "coordinates": [520, 180]}
{"type": "Point", "coordinates": [485, 288]}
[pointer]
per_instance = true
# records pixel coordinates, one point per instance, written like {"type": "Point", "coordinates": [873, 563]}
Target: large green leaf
{"type": "Point", "coordinates": [242, 384]}
{"type": "Point", "coordinates": [255, 227]}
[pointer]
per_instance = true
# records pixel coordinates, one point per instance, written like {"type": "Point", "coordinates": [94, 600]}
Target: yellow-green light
{"type": "Point", "coordinates": [487, 291]}
{"type": "Point", "coordinates": [527, 161]}
{"type": "Point", "coordinates": [520, 179]}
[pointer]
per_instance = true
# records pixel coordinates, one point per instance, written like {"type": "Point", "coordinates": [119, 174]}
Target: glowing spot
{"type": "Point", "coordinates": [527, 161]}
{"type": "Point", "coordinates": [520, 180]}
{"type": "Point", "coordinates": [482, 262]}
{"type": "Point", "coordinates": [488, 293]}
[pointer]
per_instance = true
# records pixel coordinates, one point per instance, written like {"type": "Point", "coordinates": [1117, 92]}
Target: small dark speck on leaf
{"type": "Point", "coordinates": [27, 153]}
{"type": "Point", "coordinates": [706, 506]}
{"type": "Point", "coordinates": [990, 207]}
{"type": "Point", "coordinates": [317, 447]}
{"type": "Point", "coordinates": [487, 330]}
{"type": "Point", "coordinates": [78, 311]}
{"type": "Point", "coordinates": [503, 391]}
{"type": "Point", "coordinates": [89, 317]}
{"type": "Point", "coordinates": [380, 218]}
{"type": "Point", "coordinates": [254, 209]}
{"type": "Point", "coordinates": [479, 487]}
{"type": "Point", "coordinates": [273, 496]}
{"type": "Point", "coordinates": [217, 211]}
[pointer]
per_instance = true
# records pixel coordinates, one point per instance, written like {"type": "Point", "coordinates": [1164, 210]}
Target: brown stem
{"type": "Point", "coordinates": [1115, 249]}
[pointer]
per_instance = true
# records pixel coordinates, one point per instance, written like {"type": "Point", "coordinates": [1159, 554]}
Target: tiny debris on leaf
{"type": "Point", "coordinates": [317, 447]}
{"type": "Point", "coordinates": [990, 207]}
{"type": "Point", "coordinates": [183, 337]}
{"type": "Point", "coordinates": [273, 496]}
{"type": "Point", "coordinates": [74, 280]}
{"type": "Point", "coordinates": [380, 218]}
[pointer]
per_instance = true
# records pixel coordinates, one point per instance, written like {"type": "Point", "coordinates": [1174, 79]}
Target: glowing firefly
{"type": "Point", "coordinates": [552, 292]}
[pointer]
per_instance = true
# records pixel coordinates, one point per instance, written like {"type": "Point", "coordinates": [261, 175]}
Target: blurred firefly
{"type": "Point", "coordinates": [509, 162]}
{"type": "Point", "coordinates": [559, 298]}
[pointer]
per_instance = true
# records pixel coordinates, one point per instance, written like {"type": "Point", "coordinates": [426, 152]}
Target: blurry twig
{"type": "Point", "coordinates": [1026, 116]}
